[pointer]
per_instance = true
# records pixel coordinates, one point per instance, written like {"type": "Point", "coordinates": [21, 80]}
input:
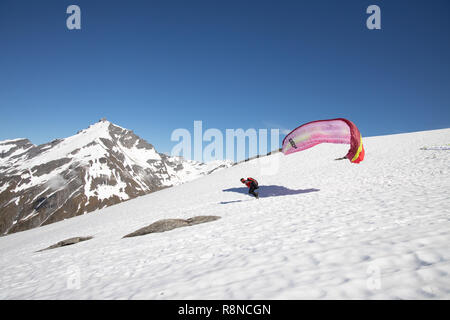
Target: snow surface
{"type": "Point", "coordinates": [12, 140]}
{"type": "Point", "coordinates": [67, 145]}
{"type": "Point", "coordinates": [322, 229]}
{"type": "Point", "coordinates": [5, 148]}
{"type": "Point", "coordinates": [7, 145]}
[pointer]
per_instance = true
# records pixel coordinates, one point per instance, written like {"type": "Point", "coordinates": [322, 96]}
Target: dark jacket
{"type": "Point", "coordinates": [251, 183]}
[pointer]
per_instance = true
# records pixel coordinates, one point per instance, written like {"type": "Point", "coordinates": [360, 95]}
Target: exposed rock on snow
{"type": "Point", "coordinates": [445, 147]}
{"type": "Point", "coordinates": [67, 242]}
{"type": "Point", "coordinates": [170, 224]}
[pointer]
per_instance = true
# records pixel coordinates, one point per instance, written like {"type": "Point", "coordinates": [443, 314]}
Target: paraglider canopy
{"type": "Point", "coordinates": [338, 130]}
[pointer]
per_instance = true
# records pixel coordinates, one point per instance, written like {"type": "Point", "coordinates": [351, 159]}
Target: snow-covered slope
{"type": "Point", "coordinates": [98, 167]}
{"type": "Point", "coordinates": [321, 229]}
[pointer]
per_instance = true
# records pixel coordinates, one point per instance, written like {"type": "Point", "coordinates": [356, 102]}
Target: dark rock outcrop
{"type": "Point", "coordinates": [67, 242]}
{"type": "Point", "coordinates": [170, 224]}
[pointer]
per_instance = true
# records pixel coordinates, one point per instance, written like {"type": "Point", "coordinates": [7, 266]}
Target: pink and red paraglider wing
{"type": "Point", "coordinates": [325, 131]}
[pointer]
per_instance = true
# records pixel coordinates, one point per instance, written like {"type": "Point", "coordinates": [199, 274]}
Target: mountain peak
{"type": "Point", "coordinates": [103, 125]}
{"type": "Point", "coordinates": [99, 166]}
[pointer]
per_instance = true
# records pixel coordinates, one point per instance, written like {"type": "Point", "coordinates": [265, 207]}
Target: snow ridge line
{"type": "Point", "coordinates": [258, 156]}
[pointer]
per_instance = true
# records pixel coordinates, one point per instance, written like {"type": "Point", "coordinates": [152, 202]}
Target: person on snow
{"type": "Point", "coordinates": [252, 184]}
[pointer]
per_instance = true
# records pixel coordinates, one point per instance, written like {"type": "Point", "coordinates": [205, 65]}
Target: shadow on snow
{"type": "Point", "coordinates": [269, 191]}
{"type": "Point", "coordinates": [226, 202]}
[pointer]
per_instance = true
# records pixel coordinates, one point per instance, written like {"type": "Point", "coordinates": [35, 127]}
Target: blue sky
{"type": "Point", "coordinates": [154, 66]}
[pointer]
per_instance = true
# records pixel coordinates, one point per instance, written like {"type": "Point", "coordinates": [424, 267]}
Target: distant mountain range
{"type": "Point", "coordinates": [100, 166]}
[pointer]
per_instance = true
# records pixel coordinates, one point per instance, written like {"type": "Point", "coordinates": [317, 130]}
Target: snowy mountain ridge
{"type": "Point", "coordinates": [99, 166]}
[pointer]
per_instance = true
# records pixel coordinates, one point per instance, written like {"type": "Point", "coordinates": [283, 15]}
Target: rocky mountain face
{"type": "Point", "coordinates": [98, 167]}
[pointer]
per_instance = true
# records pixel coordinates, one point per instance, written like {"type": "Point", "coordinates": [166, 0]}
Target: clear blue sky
{"type": "Point", "coordinates": [154, 66]}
